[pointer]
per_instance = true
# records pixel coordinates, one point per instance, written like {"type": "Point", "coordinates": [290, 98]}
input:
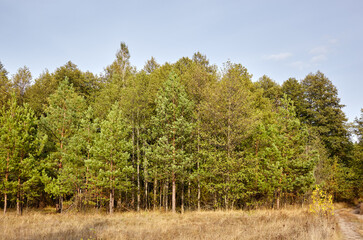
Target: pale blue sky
{"type": "Point", "coordinates": [278, 38]}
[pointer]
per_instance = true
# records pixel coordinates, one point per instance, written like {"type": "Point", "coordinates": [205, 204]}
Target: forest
{"type": "Point", "coordinates": [180, 136]}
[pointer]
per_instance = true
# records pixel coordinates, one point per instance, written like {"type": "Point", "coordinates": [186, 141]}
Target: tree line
{"type": "Point", "coordinates": [181, 136]}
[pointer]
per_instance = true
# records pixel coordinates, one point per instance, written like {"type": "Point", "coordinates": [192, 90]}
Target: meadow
{"type": "Point", "coordinates": [291, 223]}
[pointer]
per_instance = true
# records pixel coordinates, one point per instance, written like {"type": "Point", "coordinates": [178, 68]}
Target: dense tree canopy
{"type": "Point", "coordinates": [172, 136]}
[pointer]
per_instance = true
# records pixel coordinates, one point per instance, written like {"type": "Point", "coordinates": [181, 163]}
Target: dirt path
{"type": "Point", "coordinates": [350, 224]}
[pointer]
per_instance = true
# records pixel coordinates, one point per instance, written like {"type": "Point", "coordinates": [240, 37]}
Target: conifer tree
{"type": "Point", "coordinates": [286, 158]}
{"type": "Point", "coordinates": [271, 89]}
{"type": "Point", "coordinates": [77, 155]}
{"type": "Point", "coordinates": [197, 75]}
{"type": "Point", "coordinates": [357, 164]}
{"type": "Point", "coordinates": [172, 129]}
{"type": "Point", "coordinates": [5, 86]}
{"type": "Point", "coordinates": [295, 91]}
{"type": "Point", "coordinates": [111, 155]}
{"type": "Point", "coordinates": [151, 65]}
{"type": "Point", "coordinates": [37, 94]}
{"type": "Point", "coordinates": [18, 149]}
{"type": "Point", "coordinates": [228, 118]}
{"type": "Point", "coordinates": [138, 110]}
{"type": "Point", "coordinates": [60, 123]}
{"type": "Point", "coordinates": [324, 113]}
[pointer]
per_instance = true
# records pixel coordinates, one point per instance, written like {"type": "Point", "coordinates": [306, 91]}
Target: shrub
{"type": "Point", "coordinates": [321, 203]}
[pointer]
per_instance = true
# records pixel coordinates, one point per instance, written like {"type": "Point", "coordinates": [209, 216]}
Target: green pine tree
{"type": "Point", "coordinates": [172, 129]}
{"type": "Point", "coordinates": [19, 146]}
{"type": "Point", "coordinates": [111, 154]}
{"type": "Point", "coordinates": [61, 122]}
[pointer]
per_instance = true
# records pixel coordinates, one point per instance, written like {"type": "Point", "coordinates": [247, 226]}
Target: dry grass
{"type": "Point", "coordinates": [294, 223]}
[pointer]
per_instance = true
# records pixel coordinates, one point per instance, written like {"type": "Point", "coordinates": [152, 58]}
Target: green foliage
{"type": "Point", "coordinates": [295, 91]}
{"type": "Point", "coordinates": [286, 157]}
{"type": "Point", "coordinates": [37, 94]}
{"type": "Point", "coordinates": [215, 138]}
{"type": "Point", "coordinates": [357, 163]}
{"type": "Point", "coordinates": [109, 163]}
{"type": "Point", "coordinates": [5, 86]}
{"type": "Point", "coordinates": [21, 81]}
{"type": "Point", "coordinates": [324, 113]}
{"type": "Point", "coordinates": [227, 118]}
{"type": "Point", "coordinates": [271, 89]}
{"type": "Point", "coordinates": [171, 129]}
{"type": "Point", "coordinates": [60, 124]}
{"type": "Point", "coordinates": [18, 148]}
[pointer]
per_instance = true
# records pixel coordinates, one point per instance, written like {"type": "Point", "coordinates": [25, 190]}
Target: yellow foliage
{"type": "Point", "coordinates": [322, 203]}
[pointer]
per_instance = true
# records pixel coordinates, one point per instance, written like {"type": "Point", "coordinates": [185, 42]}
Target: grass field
{"type": "Point", "coordinates": [294, 223]}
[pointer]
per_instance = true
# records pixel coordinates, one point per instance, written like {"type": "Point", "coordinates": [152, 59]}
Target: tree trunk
{"type": "Point", "coordinates": [166, 194]}
{"type": "Point", "coordinates": [226, 201]}
{"type": "Point", "coordinates": [60, 206]}
{"type": "Point", "coordinates": [18, 199]}
{"type": "Point", "coordinates": [189, 197]}
{"type": "Point", "coordinates": [161, 194]}
{"type": "Point", "coordinates": [155, 186]}
{"type": "Point", "coordinates": [182, 198]}
{"type": "Point", "coordinates": [198, 195]}
{"type": "Point", "coordinates": [198, 172]}
{"type": "Point", "coordinates": [215, 200]}
{"type": "Point", "coordinates": [138, 169]}
{"type": "Point", "coordinates": [146, 194]}
{"type": "Point", "coordinates": [112, 200]}
{"type": "Point", "coordinates": [145, 177]}
{"type": "Point", "coordinates": [60, 202]}
{"type": "Point", "coordinates": [5, 202]}
{"type": "Point", "coordinates": [173, 192]}
{"type": "Point", "coordinates": [278, 199]}
{"type": "Point", "coordinates": [133, 165]}
{"type": "Point", "coordinates": [6, 181]}
{"type": "Point", "coordinates": [173, 196]}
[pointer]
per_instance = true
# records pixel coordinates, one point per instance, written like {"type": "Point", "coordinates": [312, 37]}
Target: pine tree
{"type": "Point", "coordinates": [5, 86]}
{"type": "Point", "coordinates": [151, 65]}
{"type": "Point", "coordinates": [295, 91]}
{"type": "Point", "coordinates": [172, 129]}
{"type": "Point", "coordinates": [138, 110]}
{"type": "Point", "coordinates": [77, 155]}
{"type": "Point", "coordinates": [357, 164]}
{"type": "Point", "coordinates": [286, 158]}
{"type": "Point", "coordinates": [60, 123]}
{"type": "Point", "coordinates": [228, 117]}
{"type": "Point", "coordinates": [18, 149]}
{"type": "Point", "coordinates": [37, 94]}
{"type": "Point", "coordinates": [111, 155]}
{"type": "Point", "coordinates": [75, 77]}
{"type": "Point", "coordinates": [324, 113]}
{"type": "Point", "coordinates": [197, 75]}
{"type": "Point", "coordinates": [271, 89]}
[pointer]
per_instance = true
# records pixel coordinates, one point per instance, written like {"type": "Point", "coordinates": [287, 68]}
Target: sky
{"type": "Point", "coordinates": [280, 38]}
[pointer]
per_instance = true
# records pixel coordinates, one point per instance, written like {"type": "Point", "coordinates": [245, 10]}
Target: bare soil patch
{"type": "Point", "coordinates": [350, 224]}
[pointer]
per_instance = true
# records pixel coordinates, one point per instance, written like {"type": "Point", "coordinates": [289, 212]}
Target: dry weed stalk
{"type": "Point", "coordinates": [292, 223]}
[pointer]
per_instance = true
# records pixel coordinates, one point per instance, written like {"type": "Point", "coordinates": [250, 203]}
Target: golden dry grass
{"type": "Point", "coordinates": [293, 223]}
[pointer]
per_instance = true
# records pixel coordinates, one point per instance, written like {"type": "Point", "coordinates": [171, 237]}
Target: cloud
{"type": "Point", "coordinates": [333, 41]}
{"type": "Point", "coordinates": [321, 50]}
{"type": "Point", "coordinates": [319, 54]}
{"type": "Point", "coordinates": [299, 65]}
{"type": "Point", "coordinates": [278, 57]}
{"type": "Point", "coordinates": [318, 58]}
